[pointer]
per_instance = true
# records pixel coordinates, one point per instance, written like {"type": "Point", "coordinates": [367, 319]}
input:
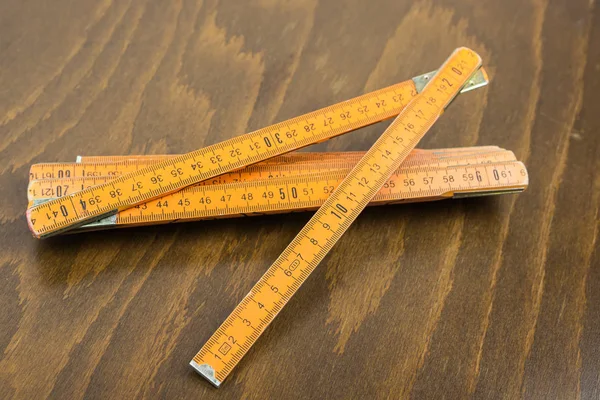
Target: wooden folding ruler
{"type": "Point", "coordinates": [222, 180]}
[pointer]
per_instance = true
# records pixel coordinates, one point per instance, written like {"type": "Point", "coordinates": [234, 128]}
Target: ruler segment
{"type": "Point", "coordinates": [117, 168]}
{"type": "Point", "coordinates": [57, 187]}
{"type": "Point", "coordinates": [173, 174]}
{"type": "Point", "coordinates": [231, 341]}
{"type": "Point", "coordinates": [285, 158]}
{"type": "Point", "coordinates": [308, 192]}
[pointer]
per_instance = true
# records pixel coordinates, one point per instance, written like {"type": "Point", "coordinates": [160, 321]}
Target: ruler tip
{"type": "Point", "coordinates": [471, 52]}
{"type": "Point", "coordinates": [207, 372]}
{"type": "Point", "coordinates": [30, 223]}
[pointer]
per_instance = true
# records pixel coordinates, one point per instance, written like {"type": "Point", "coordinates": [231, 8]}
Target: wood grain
{"type": "Point", "coordinates": [480, 298]}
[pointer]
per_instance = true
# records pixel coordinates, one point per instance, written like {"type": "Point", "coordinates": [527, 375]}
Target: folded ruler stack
{"type": "Point", "coordinates": [296, 181]}
{"type": "Point", "coordinates": [261, 173]}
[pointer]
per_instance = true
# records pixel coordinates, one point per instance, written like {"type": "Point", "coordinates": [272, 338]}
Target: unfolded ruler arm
{"type": "Point", "coordinates": [238, 333]}
{"type": "Point", "coordinates": [173, 174]}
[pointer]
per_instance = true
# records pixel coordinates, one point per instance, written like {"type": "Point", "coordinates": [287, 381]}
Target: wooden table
{"type": "Point", "coordinates": [483, 298]}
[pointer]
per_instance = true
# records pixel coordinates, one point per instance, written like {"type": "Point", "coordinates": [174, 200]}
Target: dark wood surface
{"type": "Point", "coordinates": [483, 298]}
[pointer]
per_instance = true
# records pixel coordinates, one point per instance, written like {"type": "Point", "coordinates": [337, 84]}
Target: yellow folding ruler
{"type": "Point", "coordinates": [252, 175]}
{"type": "Point", "coordinates": [247, 322]}
{"type": "Point", "coordinates": [173, 174]}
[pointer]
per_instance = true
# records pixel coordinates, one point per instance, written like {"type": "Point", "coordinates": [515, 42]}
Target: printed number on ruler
{"type": "Point", "coordinates": [176, 173]}
{"type": "Point", "coordinates": [241, 329]}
